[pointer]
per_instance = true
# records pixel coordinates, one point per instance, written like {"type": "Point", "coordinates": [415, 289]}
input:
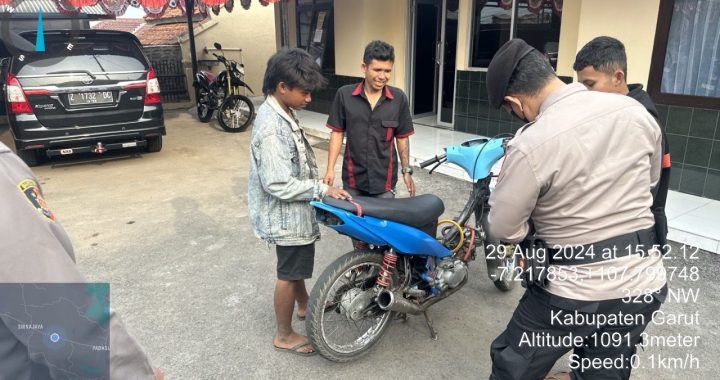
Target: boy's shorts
{"type": "Point", "coordinates": [295, 262]}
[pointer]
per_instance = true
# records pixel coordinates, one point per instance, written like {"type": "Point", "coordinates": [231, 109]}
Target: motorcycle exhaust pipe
{"type": "Point", "coordinates": [393, 301]}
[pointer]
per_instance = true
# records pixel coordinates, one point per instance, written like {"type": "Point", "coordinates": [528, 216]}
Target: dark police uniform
{"type": "Point", "coordinates": [370, 161]}
{"type": "Point", "coordinates": [34, 248]}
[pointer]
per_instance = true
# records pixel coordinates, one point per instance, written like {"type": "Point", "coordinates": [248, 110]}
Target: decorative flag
{"type": "Point", "coordinates": [40, 38]}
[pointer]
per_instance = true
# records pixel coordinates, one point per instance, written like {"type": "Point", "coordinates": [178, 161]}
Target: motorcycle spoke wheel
{"type": "Point", "coordinates": [204, 111]}
{"type": "Point", "coordinates": [344, 320]}
{"type": "Point", "coordinates": [236, 113]}
{"type": "Point", "coordinates": [507, 278]}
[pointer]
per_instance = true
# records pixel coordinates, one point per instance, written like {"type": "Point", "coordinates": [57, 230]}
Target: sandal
{"type": "Point", "coordinates": [296, 349]}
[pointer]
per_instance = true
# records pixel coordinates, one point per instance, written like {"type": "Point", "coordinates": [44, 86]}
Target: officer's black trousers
{"type": "Point", "coordinates": [515, 356]}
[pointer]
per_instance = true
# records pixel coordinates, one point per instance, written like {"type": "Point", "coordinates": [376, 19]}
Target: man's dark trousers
{"type": "Point", "coordinates": [513, 361]}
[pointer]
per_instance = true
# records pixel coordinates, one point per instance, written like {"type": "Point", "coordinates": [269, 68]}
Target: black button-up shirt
{"type": "Point", "coordinates": [371, 161]}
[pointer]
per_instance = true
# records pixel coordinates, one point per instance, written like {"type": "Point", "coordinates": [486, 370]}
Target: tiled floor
{"type": "Point", "coordinates": [692, 220]}
{"type": "Point", "coordinates": [427, 120]}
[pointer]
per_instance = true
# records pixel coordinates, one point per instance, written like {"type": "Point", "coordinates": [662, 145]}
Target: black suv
{"type": "Point", "coordinates": [90, 91]}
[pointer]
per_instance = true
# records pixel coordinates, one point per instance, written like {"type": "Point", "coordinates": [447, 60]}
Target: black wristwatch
{"type": "Point", "coordinates": [407, 170]}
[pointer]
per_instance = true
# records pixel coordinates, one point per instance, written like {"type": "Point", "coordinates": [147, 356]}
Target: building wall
{"type": "Point", "coordinates": [632, 22]}
{"type": "Point", "coordinates": [693, 133]}
{"type": "Point", "coordinates": [356, 24]}
{"type": "Point", "coordinates": [568, 44]}
{"type": "Point", "coordinates": [463, 37]}
{"type": "Point", "coordinates": [251, 30]}
{"type": "Point", "coordinates": [359, 22]}
{"type": "Point", "coordinates": [694, 138]}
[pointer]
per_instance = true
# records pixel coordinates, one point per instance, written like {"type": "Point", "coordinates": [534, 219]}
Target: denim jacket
{"type": "Point", "coordinates": [283, 179]}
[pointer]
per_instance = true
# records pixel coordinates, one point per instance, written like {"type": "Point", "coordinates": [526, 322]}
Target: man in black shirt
{"type": "Point", "coordinates": [376, 119]}
{"type": "Point", "coordinates": [601, 65]}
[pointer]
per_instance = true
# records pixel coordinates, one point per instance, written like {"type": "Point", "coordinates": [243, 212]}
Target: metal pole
{"type": "Point", "coordinates": [189, 11]}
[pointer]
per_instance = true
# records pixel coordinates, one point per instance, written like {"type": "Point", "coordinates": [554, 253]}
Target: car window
{"type": "Point", "coordinates": [95, 56]}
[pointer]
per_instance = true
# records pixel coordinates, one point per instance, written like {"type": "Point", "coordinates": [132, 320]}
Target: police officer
{"type": "Point", "coordinates": [580, 172]}
{"type": "Point", "coordinates": [34, 248]}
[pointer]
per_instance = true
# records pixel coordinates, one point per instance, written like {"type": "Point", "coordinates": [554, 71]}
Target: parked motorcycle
{"type": "Point", "coordinates": [223, 93]}
{"type": "Point", "coordinates": [406, 269]}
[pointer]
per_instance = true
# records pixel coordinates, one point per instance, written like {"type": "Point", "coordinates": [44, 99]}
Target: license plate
{"type": "Point", "coordinates": [66, 151]}
{"type": "Point", "coordinates": [129, 145]}
{"type": "Point", "coordinates": [97, 97]}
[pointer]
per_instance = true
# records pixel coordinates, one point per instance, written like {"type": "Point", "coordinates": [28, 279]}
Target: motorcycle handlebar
{"type": "Point", "coordinates": [219, 58]}
{"type": "Point", "coordinates": [433, 160]}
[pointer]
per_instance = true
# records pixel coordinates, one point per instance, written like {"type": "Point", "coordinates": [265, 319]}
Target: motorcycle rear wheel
{"type": "Point", "coordinates": [236, 113]}
{"type": "Point", "coordinates": [204, 111]}
{"type": "Point", "coordinates": [349, 277]}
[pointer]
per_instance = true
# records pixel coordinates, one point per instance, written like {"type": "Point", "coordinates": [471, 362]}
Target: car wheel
{"type": "Point", "coordinates": [154, 144]}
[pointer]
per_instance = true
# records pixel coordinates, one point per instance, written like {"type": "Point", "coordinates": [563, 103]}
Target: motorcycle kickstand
{"type": "Point", "coordinates": [428, 319]}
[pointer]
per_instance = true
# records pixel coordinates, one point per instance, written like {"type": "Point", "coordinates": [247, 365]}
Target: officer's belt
{"type": "Point", "coordinates": [638, 242]}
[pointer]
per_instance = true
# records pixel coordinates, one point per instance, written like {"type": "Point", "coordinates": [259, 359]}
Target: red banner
{"type": "Point", "coordinates": [213, 3]}
{"type": "Point", "coordinates": [81, 3]}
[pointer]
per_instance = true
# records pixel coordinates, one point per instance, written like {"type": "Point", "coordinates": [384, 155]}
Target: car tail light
{"type": "Point", "coordinates": [152, 88]}
{"type": "Point", "coordinates": [16, 97]}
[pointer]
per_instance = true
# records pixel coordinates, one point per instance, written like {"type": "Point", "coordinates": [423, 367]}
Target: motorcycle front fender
{"type": "Point", "coordinates": [243, 84]}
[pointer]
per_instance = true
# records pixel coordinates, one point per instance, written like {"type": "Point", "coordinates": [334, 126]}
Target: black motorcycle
{"type": "Point", "coordinates": [223, 93]}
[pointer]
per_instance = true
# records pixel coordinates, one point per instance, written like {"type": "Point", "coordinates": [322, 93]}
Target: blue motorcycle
{"type": "Point", "coordinates": [406, 269]}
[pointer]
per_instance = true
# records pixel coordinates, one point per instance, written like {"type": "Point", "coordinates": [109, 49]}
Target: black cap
{"type": "Point", "coordinates": [501, 68]}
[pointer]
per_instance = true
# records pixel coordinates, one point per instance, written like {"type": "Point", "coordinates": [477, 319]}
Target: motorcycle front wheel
{"type": "Point", "coordinates": [204, 111]}
{"type": "Point", "coordinates": [503, 271]}
{"type": "Point", "coordinates": [343, 320]}
{"type": "Point", "coordinates": [236, 113]}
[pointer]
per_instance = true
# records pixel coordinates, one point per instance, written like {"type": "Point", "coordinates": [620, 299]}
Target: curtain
{"type": "Point", "coordinates": [692, 58]}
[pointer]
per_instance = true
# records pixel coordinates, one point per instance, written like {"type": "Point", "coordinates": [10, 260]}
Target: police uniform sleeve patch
{"type": "Point", "coordinates": [32, 193]}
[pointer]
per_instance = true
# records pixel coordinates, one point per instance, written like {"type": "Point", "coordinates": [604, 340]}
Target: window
{"type": "Point", "coordinates": [496, 22]}
{"type": "Point", "coordinates": [685, 68]}
{"type": "Point", "coordinates": [315, 31]}
{"type": "Point", "coordinates": [93, 56]}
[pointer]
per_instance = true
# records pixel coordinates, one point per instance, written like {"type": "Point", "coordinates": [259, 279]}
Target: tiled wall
{"type": "Point", "coordinates": [693, 134]}
{"type": "Point", "coordinates": [322, 99]}
{"type": "Point", "coordinates": [473, 114]}
{"type": "Point", "coordinates": [694, 138]}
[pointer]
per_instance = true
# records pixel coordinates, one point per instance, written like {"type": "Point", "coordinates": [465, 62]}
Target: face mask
{"type": "Point", "coordinates": [509, 109]}
{"type": "Point", "coordinates": [523, 119]}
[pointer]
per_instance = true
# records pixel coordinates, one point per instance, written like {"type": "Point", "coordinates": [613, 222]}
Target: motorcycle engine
{"type": "Point", "coordinates": [449, 273]}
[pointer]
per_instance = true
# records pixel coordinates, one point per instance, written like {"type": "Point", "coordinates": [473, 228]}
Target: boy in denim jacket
{"type": "Point", "coordinates": [283, 180]}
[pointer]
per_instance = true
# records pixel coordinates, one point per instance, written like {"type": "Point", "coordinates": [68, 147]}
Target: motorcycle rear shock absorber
{"type": "Point", "coordinates": [385, 276]}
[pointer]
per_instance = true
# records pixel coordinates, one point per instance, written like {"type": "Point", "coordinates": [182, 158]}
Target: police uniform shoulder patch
{"type": "Point", "coordinates": [32, 193]}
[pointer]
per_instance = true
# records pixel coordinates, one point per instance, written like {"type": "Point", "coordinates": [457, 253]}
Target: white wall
{"type": "Point", "coordinates": [251, 30]}
{"type": "Point", "coordinates": [632, 22]}
{"type": "Point", "coordinates": [359, 22]}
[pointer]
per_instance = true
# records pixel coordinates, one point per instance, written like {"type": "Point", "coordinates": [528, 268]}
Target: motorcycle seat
{"type": "Point", "coordinates": [419, 211]}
